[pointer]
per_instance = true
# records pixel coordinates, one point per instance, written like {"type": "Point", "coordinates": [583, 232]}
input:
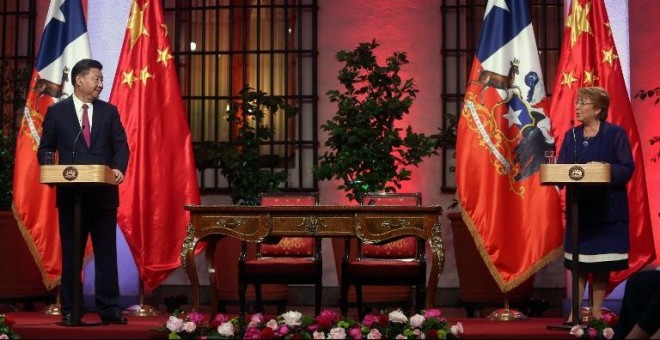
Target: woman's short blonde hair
{"type": "Point", "coordinates": [599, 97]}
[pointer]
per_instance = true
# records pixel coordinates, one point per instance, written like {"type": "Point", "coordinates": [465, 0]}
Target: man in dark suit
{"type": "Point", "coordinates": [86, 130]}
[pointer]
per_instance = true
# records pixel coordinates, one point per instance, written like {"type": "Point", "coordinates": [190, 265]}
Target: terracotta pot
{"type": "Point", "coordinates": [477, 286]}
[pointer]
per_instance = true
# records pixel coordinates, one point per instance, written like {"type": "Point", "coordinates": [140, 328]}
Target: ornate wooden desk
{"type": "Point", "coordinates": [372, 224]}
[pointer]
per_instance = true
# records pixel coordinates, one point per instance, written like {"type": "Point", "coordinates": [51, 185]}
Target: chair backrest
{"type": "Point", "coordinates": [405, 248]}
{"type": "Point", "coordinates": [288, 246]}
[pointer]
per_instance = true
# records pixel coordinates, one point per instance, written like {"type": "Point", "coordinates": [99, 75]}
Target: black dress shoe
{"type": "Point", "coordinates": [69, 320]}
{"type": "Point", "coordinates": [114, 320]}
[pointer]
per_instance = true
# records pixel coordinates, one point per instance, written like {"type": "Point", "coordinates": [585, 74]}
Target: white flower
{"type": "Point", "coordinates": [189, 327]}
{"type": "Point", "coordinates": [337, 333]}
{"type": "Point", "coordinates": [174, 324]}
{"type": "Point", "coordinates": [401, 336]}
{"type": "Point", "coordinates": [4, 336]}
{"type": "Point", "coordinates": [417, 321]}
{"type": "Point", "coordinates": [577, 331]}
{"type": "Point", "coordinates": [272, 324]}
{"type": "Point", "coordinates": [318, 335]}
{"type": "Point", "coordinates": [292, 318]}
{"type": "Point", "coordinates": [397, 316]}
{"type": "Point", "coordinates": [374, 334]}
{"type": "Point", "coordinates": [456, 329]}
{"type": "Point", "coordinates": [226, 329]}
{"type": "Point", "coordinates": [608, 333]}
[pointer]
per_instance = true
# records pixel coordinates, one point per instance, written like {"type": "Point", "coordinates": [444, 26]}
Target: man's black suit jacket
{"type": "Point", "coordinates": [62, 133]}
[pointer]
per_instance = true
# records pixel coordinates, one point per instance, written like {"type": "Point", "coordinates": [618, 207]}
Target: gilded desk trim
{"type": "Point", "coordinates": [372, 224]}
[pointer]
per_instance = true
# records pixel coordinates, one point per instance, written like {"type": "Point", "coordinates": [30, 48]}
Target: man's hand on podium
{"type": "Point", "coordinates": [119, 177]}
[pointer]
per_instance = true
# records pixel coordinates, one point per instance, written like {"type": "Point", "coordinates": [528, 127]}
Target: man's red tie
{"type": "Point", "coordinates": [86, 131]}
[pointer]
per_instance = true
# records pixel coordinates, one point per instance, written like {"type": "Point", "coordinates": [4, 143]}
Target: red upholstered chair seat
{"type": "Point", "coordinates": [368, 270]}
{"type": "Point", "coordinates": [286, 267]}
{"type": "Point", "coordinates": [397, 263]}
{"type": "Point", "coordinates": [294, 260]}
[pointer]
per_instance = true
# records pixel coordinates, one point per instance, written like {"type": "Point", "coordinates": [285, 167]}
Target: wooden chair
{"type": "Point", "coordinates": [397, 263]}
{"type": "Point", "coordinates": [290, 260]}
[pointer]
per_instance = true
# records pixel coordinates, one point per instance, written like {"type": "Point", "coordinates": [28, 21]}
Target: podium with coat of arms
{"type": "Point", "coordinates": [77, 175]}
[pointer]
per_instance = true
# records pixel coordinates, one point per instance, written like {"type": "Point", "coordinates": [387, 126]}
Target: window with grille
{"type": "Point", "coordinates": [461, 24]}
{"type": "Point", "coordinates": [221, 46]}
{"type": "Point", "coordinates": [17, 19]}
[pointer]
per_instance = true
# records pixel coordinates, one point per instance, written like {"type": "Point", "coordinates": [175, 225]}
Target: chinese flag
{"type": "Point", "coordinates": [503, 134]}
{"type": "Point", "coordinates": [589, 58]}
{"type": "Point", "coordinates": [161, 175]}
{"type": "Point", "coordinates": [63, 44]}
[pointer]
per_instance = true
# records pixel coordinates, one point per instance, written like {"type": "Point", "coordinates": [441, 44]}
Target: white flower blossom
{"type": "Point", "coordinates": [337, 333]}
{"type": "Point", "coordinates": [456, 329]}
{"type": "Point", "coordinates": [577, 331]}
{"type": "Point", "coordinates": [174, 324]}
{"type": "Point", "coordinates": [374, 334]}
{"type": "Point", "coordinates": [292, 318]}
{"type": "Point", "coordinates": [318, 335]}
{"type": "Point", "coordinates": [189, 327]}
{"type": "Point", "coordinates": [417, 320]}
{"type": "Point", "coordinates": [397, 316]}
{"type": "Point", "coordinates": [272, 324]}
{"type": "Point", "coordinates": [401, 337]}
{"type": "Point", "coordinates": [4, 336]}
{"type": "Point", "coordinates": [608, 333]}
{"type": "Point", "coordinates": [226, 329]}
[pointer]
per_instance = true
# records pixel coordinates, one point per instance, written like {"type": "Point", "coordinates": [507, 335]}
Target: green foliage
{"type": "Point", "coordinates": [367, 151]}
{"type": "Point", "coordinates": [248, 172]}
{"type": "Point", "coordinates": [13, 91]}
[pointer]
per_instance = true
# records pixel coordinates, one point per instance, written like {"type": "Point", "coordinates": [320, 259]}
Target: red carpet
{"type": "Point", "coordinates": [34, 325]}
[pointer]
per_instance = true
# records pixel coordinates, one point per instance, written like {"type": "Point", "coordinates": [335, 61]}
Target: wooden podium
{"type": "Point", "coordinates": [66, 174]}
{"type": "Point", "coordinates": [573, 176]}
{"type": "Point", "coordinates": [78, 176]}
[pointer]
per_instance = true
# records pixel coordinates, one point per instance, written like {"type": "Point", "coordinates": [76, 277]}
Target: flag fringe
{"type": "Point", "coordinates": [506, 286]}
{"type": "Point", "coordinates": [49, 284]}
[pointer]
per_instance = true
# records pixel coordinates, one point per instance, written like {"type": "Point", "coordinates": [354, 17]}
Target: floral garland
{"type": "Point", "coordinates": [430, 324]}
{"type": "Point", "coordinates": [6, 332]}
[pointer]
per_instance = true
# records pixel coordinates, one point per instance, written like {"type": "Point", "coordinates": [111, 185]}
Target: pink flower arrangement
{"type": "Point", "coordinates": [327, 325]}
{"type": "Point", "coordinates": [596, 328]}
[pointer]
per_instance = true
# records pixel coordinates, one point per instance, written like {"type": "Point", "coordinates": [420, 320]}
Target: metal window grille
{"type": "Point", "coordinates": [461, 24]}
{"type": "Point", "coordinates": [17, 25]}
{"type": "Point", "coordinates": [270, 45]}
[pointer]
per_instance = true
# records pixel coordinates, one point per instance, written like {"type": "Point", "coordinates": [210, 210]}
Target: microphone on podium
{"type": "Point", "coordinates": [75, 140]}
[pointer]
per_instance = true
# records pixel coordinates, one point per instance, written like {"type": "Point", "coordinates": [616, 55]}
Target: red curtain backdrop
{"type": "Point", "coordinates": [161, 176]}
{"type": "Point", "coordinates": [589, 58]}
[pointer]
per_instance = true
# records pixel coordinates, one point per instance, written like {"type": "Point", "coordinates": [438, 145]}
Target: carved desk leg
{"type": "Point", "coordinates": [188, 263]}
{"type": "Point", "coordinates": [437, 264]}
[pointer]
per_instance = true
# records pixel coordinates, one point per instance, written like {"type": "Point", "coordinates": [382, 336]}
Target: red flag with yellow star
{"type": "Point", "coordinates": [161, 177]}
{"type": "Point", "coordinates": [589, 58]}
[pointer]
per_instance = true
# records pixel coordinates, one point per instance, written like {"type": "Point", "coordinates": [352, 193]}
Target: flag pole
{"type": "Point", "coordinates": [506, 313]}
{"type": "Point", "coordinates": [54, 308]}
{"type": "Point", "coordinates": [142, 309]}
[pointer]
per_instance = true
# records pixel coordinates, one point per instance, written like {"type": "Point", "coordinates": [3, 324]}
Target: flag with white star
{"type": "Point", "coordinates": [161, 177]}
{"type": "Point", "coordinates": [64, 42]}
{"type": "Point", "coordinates": [503, 137]}
{"type": "Point", "coordinates": [589, 58]}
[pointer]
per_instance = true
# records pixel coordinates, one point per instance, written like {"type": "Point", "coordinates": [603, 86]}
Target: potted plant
{"type": "Point", "coordinates": [248, 172]}
{"type": "Point", "coordinates": [368, 152]}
